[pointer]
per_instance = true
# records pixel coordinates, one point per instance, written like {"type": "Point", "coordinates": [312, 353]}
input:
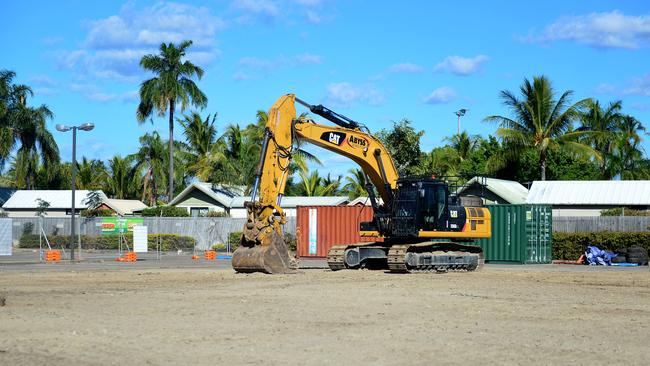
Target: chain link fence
{"type": "Point", "coordinates": [207, 231]}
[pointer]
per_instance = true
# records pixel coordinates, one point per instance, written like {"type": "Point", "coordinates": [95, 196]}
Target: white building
{"type": "Point", "coordinates": [589, 198]}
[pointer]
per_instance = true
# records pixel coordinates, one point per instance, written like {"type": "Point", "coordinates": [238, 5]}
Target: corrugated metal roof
{"type": "Point", "coordinates": [58, 199]}
{"type": "Point", "coordinates": [599, 192]}
{"type": "Point", "coordinates": [513, 192]}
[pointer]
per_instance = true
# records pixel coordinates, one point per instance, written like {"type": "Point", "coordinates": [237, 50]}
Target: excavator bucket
{"type": "Point", "coordinates": [272, 256]}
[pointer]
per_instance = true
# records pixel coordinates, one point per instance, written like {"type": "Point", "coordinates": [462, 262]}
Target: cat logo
{"type": "Point", "coordinates": [357, 142]}
{"type": "Point", "coordinates": [335, 138]}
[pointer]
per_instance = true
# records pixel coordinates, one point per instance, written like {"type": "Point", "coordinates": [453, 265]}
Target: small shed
{"type": "Point", "coordinates": [589, 198]}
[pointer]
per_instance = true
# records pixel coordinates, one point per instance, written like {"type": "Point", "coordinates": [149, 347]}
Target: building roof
{"type": "Point", "coordinates": [511, 191]}
{"type": "Point", "coordinates": [125, 207]}
{"type": "Point", "coordinates": [293, 201]}
{"type": "Point", "coordinates": [598, 192]}
{"type": "Point", "coordinates": [58, 199]}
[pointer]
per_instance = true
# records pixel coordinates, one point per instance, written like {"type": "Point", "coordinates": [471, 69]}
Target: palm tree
{"type": "Point", "coordinates": [242, 155]}
{"type": "Point", "coordinates": [355, 185]}
{"type": "Point", "coordinates": [149, 165]}
{"type": "Point", "coordinates": [313, 185]}
{"type": "Point", "coordinates": [204, 153]}
{"type": "Point", "coordinates": [91, 174]}
{"type": "Point", "coordinates": [26, 126]}
{"type": "Point", "coordinates": [540, 121]}
{"type": "Point", "coordinates": [171, 86]}
{"type": "Point", "coordinates": [119, 183]}
{"type": "Point", "coordinates": [464, 144]}
{"type": "Point", "coordinates": [629, 152]}
{"type": "Point", "coordinates": [604, 123]}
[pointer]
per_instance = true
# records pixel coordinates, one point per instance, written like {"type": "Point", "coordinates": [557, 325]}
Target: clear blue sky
{"type": "Point", "coordinates": [375, 61]}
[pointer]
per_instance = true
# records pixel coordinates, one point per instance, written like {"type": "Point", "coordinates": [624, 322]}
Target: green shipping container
{"type": "Point", "coordinates": [520, 234]}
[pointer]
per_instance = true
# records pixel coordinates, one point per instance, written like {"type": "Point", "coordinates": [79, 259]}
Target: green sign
{"type": "Point", "coordinates": [117, 225]}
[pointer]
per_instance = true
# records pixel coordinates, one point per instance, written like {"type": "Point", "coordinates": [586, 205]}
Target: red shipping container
{"type": "Point", "coordinates": [335, 225]}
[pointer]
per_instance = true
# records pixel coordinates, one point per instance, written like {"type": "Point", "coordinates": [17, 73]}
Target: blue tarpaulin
{"type": "Point", "coordinates": [596, 256]}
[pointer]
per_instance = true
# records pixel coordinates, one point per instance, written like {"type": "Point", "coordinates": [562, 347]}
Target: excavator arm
{"type": "Point", "coordinates": [262, 246]}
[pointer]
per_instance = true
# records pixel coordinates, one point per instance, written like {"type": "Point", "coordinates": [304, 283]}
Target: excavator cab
{"type": "Point", "coordinates": [419, 205]}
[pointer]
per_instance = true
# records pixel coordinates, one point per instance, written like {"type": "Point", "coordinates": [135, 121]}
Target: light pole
{"type": "Point", "coordinates": [460, 113]}
{"type": "Point", "coordinates": [63, 128]}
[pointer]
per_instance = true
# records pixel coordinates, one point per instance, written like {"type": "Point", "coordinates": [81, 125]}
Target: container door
{"type": "Point", "coordinates": [531, 243]}
{"type": "Point", "coordinates": [538, 233]}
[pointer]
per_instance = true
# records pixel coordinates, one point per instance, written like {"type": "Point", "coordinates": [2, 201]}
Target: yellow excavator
{"type": "Point", "coordinates": [422, 228]}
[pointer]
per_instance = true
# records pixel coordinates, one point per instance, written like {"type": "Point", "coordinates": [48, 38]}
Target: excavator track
{"type": "Point", "coordinates": [336, 257]}
{"type": "Point", "coordinates": [407, 258]}
{"type": "Point", "coordinates": [434, 257]}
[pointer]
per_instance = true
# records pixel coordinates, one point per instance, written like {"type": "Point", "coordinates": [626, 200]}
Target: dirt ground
{"type": "Point", "coordinates": [500, 315]}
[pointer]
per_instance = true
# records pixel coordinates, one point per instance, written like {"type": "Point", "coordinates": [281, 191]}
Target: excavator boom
{"type": "Point", "coordinates": [262, 247]}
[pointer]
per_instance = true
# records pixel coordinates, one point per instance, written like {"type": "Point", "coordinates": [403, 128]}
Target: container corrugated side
{"type": "Point", "coordinates": [520, 234]}
{"type": "Point", "coordinates": [506, 243]}
{"type": "Point", "coordinates": [335, 225]}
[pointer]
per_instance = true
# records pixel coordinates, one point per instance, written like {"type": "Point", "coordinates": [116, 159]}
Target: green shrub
{"type": "Point", "coordinates": [98, 212]}
{"type": "Point", "coordinates": [234, 239]}
{"type": "Point", "coordinates": [627, 212]}
{"type": "Point", "coordinates": [167, 241]}
{"type": "Point", "coordinates": [569, 246]}
{"type": "Point", "coordinates": [165, 211]}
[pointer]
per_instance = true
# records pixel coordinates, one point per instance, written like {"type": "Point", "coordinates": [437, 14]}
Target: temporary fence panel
{"type": "Point", "coordinates": [5, 236]}
{"type": "Point", "coordinates": [140, 242]}
{"type": "Point", "coordinates": [520, 234]}
{"type": "Point", "coordinates": [318, 228]}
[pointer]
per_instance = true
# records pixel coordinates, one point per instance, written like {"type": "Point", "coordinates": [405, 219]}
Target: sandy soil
{"type": "Point", "coordinates": [500, 315]}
